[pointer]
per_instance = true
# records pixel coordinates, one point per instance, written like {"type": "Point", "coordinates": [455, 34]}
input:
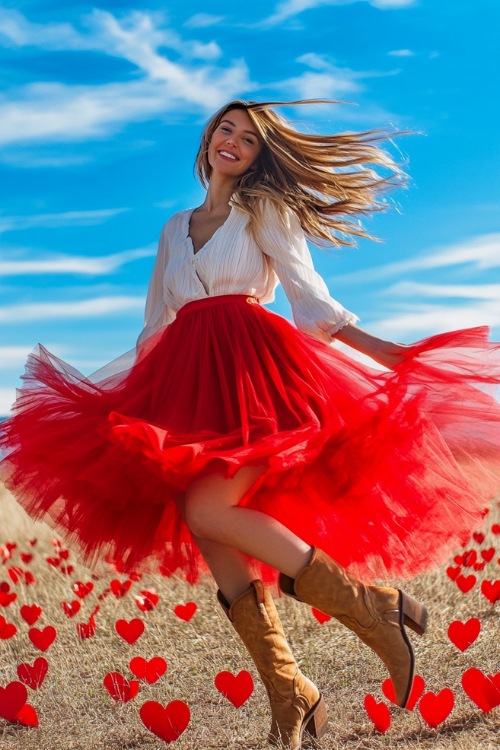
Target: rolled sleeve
{"type": "Point", "coordinates": [314, 310]}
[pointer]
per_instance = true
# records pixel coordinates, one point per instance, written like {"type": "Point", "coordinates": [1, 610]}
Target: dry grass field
{"type": "Point", "coordinates": [75, 712]}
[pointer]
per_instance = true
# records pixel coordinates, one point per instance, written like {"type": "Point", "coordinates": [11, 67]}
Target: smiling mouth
{"type": "Point", "coordinates": [226, 155]}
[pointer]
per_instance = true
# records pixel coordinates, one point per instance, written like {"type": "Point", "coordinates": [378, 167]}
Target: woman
{"type": "Point", "coordinates": [241, 443]}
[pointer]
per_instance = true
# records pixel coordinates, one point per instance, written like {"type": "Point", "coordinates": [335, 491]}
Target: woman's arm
{"type": "Point", "coordinates": [384, 352]}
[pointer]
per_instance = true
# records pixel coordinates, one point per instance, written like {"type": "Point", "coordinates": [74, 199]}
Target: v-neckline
{"type": "Point", "coordinates": [189, 213]}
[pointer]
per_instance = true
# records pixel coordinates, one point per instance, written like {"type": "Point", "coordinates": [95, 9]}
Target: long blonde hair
{"type": "Point", "coordinates": [322, 178]}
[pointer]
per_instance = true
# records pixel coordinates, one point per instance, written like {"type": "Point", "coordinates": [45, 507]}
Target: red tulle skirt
{"type": "Point", "coordinates": [387, 471]}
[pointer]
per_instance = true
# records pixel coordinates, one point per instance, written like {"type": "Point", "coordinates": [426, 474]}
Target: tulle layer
{"type": "Point", "coordinates": [385, 471]}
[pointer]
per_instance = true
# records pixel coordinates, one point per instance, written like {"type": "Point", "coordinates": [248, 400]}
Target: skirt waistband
{"type": "Point", "coordinates": [219, 299]}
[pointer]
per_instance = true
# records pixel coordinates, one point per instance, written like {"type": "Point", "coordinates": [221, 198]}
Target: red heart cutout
{"type": "Point", "coordinates": [149, 671]}
{"type": "Point", "coordinates": [118, 588]}
{"type": "Point", "coordinates": [436, 708]}
{"type": "Point", "coordinates": [26, 557]}
{"type": "Point", "coordinates": [82, 589]}
{"type": "Point", "coordinates": [7, 629]}
{"type": "Point", "coordinates": [6, 598]}
{"type": "Point", "coordinates": [54, 561]}
{"type": "Point", "coordinates": [458, 559]}
{"type": "Point", "coordinates": [465, 583]}
{"type": "Point", "coordinates": [30, 614]}
{"type": "Point", "coordinates": [478, 537]}
{"type": "Point", "coordinates": [119, 688]}
{"type": "Point", "coordinates": [64, 554]}
{"type": "Point", "coordinates": [71, 609]}
{"type": "Point", "coordinates": [27, 716]}
{"type": "Point", "coordinates": [12, 699]}
{"type": "Point", "coordinates": [479, 566]}
{"type": "Point", "coordinates": [32, 542]}
{"type": "Point", "coordinates": [185, 611]}
{"type": "Point", "coordinates": [236, 688]}
{"type": "Point", "coordinates": [487, 554]}
{"type": "Point", "coordinates": [416, 691]}
{"type": "Point", "coordinates": [11, 545]}
{"type": "Point", "coordinates": [482, 689]}
{"type": "Point", "coordinates": [378, 713]}
{"type": "Point", "coordinates": [453, 572]}
{"type": "Point", "coordinates": [491, 590]}
{"type": "Point", "coordinates": [66, 569]}
{"type": "Point", "coordinates": [495, 529]}
{"type": "Point", "coordinates": [130, 631]}
{"type": "Point", "coordinates": [42, 639]}
{"type": "Point", "coordinates": [320, 616]}
{"type": "Point", "coordinates": [86, 629]}
{"type": "Point", "coordinates": [33, 676]}
{"type": "Point", "coordinates": [147, 600]}
{"type": "Point", "coordinates": [463, 634]}
{"type": "Point", "coordinates": [28, 578]}
{"type": "Point", "coordinates": [470, 557]}
{"type": "Point", "coordinates": [4, 586]}
{"type": "Point", "coordinates": [166, 723]}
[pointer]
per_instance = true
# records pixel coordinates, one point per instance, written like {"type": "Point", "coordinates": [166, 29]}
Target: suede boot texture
{"type": "Point", "coordinates": [296, 704]}
{"type": "Point", "coordinates": [376, 614]}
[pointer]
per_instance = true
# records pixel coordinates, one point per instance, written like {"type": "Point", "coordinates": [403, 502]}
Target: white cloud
{"type": "Point", "coordinates": [202, 20]}
{"type": "Point", "coordinates": [79, 264]}
{"type": "Point", "coordinates": [417, 321]}
{"type": "Point", "coordinates": [290, 8]}
{"type": "Point", "coordinates": [7, 398]}
{"type": "Point", "coordinates": [13, 356]}
{"type": "Point", "coordinates": [90, 308]}
{"type": "Point", "coordinates": [408, 289]}
{"type": "Point", "coordinates": [15, 223]}
{"type": "Point", "coordinates": [479, 253]}
{"type": "Point", "coordinates": [55, 111]}
{"type": "Point", "coordinates": [401, 53]}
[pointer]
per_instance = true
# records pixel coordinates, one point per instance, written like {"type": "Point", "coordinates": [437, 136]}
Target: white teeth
{"type": "Point", "coordinates": [225, 153]}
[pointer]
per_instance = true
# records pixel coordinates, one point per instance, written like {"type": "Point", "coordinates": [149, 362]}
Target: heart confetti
{"type": "Point", "coordinates": [434, 709]}
{"type": "Point", "coordinates": [463, 634]}
{"type": "Point", "coordinates": [7, 629]}
{"type": "Point", "coordinates": [30, 614]}
{"type": "Point", "coordinates": [416, 691]}
{"type": "Point", "coordinates": [320, 616]}
{"type": "Point", "coordinates": [71, 609]}
{"type": "Point", "coordinates": [482, 689]}
{"type": "Point", "coordinates": [378, 713]}
{"type": "Point", "coordinates": [185, 611]}
{"type": "Point", "coordinates": [33, 675]}
{"type": "Point", "coordinates": [119, 688]}
{"type": "Point", "coordinates": [166, 723]}
{"type": "Point", "coordinates": [82, 589]}
{"type": "Point", "coordinates": [42, 639]}
{"type": "Point", "coordinates": [130, 631]}
{"type": "Point", "coordinates": [491, 590]}
{"type": "Point", "coordinates": [236, 688]}
{"type": "Point", "coordinates": [465, 583]}
{"type": "Point", "coordinates": [12, 699]}
{"type": "Point", "coordinates": [149, 671]}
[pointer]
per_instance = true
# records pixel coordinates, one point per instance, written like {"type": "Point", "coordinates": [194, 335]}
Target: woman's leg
{"type": "Point", "coordinates": [212, 514]}
{"type": "Point", "coordinates": [376, 614]}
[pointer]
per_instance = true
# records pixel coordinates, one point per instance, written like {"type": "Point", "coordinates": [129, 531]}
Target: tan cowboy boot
{"type": "Point", "coordinates": [296, 704]}
{"type": "Point", "coordinates": [376, 614]}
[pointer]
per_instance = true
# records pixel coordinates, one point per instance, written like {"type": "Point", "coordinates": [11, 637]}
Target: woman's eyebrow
{"type": "Point", "coordinates": [245, 131]}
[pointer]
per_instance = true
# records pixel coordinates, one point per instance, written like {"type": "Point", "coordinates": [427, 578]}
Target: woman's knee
{"type": "Point", "coordinates": [200, 519]}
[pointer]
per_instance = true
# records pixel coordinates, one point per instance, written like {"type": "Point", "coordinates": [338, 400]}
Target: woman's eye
{"type": "Point", "coordinates": [248, 140]}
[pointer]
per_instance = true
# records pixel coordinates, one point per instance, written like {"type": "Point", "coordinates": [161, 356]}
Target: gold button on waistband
{"type": "Point", "coordinates": [252, 301]}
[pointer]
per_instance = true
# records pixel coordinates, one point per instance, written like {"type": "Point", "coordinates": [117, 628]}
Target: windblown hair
{"type": "Point", "coordinates": [322, 178]}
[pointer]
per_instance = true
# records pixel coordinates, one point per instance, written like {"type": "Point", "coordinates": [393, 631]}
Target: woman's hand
{"type": "Point", "coordinates": [386, 353]}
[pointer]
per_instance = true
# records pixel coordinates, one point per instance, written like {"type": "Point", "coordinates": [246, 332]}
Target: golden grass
{"type": "Point", "coordinates": [76, 713]}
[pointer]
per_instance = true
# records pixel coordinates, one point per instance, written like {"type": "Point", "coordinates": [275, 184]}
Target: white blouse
{"type": "Point", "coordinates": [232, 262]}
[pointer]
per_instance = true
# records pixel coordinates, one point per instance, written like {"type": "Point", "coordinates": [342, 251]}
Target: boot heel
{"type": "Point", "coordinates": [414, 613]}
{"type": "Point", "coordinates": [318, 721]}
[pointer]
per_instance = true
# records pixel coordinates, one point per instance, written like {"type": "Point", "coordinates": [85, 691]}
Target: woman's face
{"type": "Point", "coordinates": [236, 137]}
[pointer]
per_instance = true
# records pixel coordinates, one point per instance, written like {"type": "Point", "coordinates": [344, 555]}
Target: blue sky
{"type": "Point", "coordinates": [101, 110]}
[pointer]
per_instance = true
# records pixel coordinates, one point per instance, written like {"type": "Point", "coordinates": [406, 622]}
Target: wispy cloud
{"type": "Point", "coordinates": [77, 264]}
{"type": "Point", "coordinates": [290, 8]}
{"type": "Point", "coordinates": [401, 53]}
{"type": "Point", "coordinates": [61, 219]}
{"type": "Point", "coordinates": [420, 320]}
{"type": "Point", "coordinates": [479, 253]}
{"type": "Point", "coordinates": [83, 309]}
{"type": "Point", "coordinates": [408, 289]}
{"type": "Point", "coordinates": [54, 110]}
{"type": "Point", "coordinates": [202, 20]}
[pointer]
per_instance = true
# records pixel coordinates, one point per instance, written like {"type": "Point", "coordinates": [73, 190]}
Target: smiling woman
{"type": "Point", "coordinates": [238, 443]}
